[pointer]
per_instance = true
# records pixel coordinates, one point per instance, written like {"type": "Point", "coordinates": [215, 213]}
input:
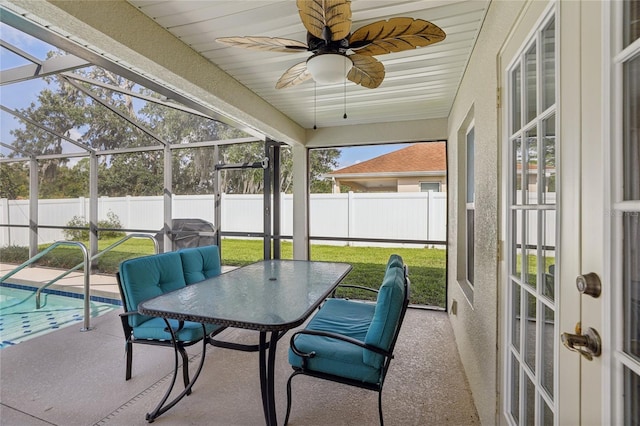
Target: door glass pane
{"type": "Point", "coordinates": [531, 175]}
{"type": "Point", "coordinates": [516, 109]}
{"type": "Point", "coordinates": [530, 330]}
{"type": "Point", "coordinates": [515, 388]}
{"type": "Point", "coordinates": [549, 65]}
{"type": "Point", "coordinates": [531, 84]}
{"type": "Point", "coordinates": [517, 170]}
{"type": "Point", "coordinates": [632, 398]}
{"type": "Point", "coordinates": [517, 248]}
{"type": "Point", "coordinates": [530, 260]}
{"type": "Point", "coordinates": [470, 166]}
{"type": "Point", "coordinates": [548, 323]}
{"type": "Point", "coordinates": [549, 158]}
{"type": "Point", "coordinates": [631, 283]}
{"type": "Point", "coordinates": [631, 142]}
{"type": "Point", "coordinates": [549, 253]}
{"type": "Point", "coordinates": [517, 316]}
{"type": "Point", "coordinates": [631, 21]}
{"type": "Point", "coordinates": [531, 402]}
{"type": "Point", "coordinates": [548, 415]}
{"type": "Point", "coordinates": [470, 244]}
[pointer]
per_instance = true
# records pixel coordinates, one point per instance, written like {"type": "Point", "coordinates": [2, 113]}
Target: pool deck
{"type": "Point", "coordinates": [71, 377]}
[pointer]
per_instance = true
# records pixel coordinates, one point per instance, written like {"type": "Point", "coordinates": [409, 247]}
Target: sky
{"type": "Point", "coordinates": [21, 95]}
{"type": "Point", "coordinates": [354, 155]}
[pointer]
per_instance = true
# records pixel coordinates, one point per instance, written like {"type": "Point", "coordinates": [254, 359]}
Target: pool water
{"type": "Point", "coordinates": [21, 321]}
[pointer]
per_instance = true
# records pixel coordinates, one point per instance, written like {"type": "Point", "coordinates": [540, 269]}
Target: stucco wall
{"type": "Point", "coordinates": [475, 323]}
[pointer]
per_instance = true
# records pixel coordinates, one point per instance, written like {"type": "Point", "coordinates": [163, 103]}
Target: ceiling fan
{"type": "Point", "coordinates": [336, 51]}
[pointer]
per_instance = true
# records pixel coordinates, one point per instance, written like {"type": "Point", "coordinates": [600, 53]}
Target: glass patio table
{"type": "Point", "coordinates": [271, 296]}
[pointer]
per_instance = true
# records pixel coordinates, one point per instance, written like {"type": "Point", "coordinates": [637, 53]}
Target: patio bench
{"type": "Point", "coordinates": [350, 341]}
{"type": "Point", "coordinates": [143, 278]}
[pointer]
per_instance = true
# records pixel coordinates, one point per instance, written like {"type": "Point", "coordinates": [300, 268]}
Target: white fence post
{"type": "Point", "coordinates": [5, 238]}
{"type": "Point", "coordinates": [350, 215]}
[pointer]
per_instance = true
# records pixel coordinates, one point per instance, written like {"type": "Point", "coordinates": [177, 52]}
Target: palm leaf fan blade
{"type": "Point", "coordinates": [318, 14]}
{"type": "Point", "coordinates": [366, 71]}
{"type": "Point", "coordinates": [273, 44]}
{"type": "Point", "coordinates": [394, 35]}
{"type": "Point", "coordinates": [293, 76]}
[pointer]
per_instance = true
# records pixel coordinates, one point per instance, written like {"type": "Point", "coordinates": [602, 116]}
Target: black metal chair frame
{"type": "Point", "coordinates": [339, 379]}
{"type": "Point", "coordinates": [179, 347]}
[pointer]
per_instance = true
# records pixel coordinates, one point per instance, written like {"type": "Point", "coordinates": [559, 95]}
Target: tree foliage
{"type": "Point", "coordinates": [14, 180]}
{"type": "Point", "coordinates": [68, 112]}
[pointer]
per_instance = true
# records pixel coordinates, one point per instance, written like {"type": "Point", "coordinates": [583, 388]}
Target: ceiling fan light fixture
{"type": "Point", "coordinates": [329, 68]}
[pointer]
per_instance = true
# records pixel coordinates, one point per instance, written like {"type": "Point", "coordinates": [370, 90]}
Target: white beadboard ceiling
{"type": "Point", "coordinates": [419, 84]}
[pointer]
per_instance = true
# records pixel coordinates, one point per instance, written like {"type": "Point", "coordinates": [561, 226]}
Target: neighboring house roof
{"type": "Point", "coordinates": [381, 173]}
{"type": "Point", "coordinates": [419, 157]}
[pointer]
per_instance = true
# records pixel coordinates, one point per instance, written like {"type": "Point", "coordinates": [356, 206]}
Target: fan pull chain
{"type": "Point", "coordinates": [315, 89]}
{"type": "Point", "coordinates": [345, 90]}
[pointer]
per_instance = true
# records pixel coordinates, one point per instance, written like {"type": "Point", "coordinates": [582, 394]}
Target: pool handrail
{"type": "Point", "coordinates": [85, 263]}
{"type": "Point", "coordinates": [94, 257]}
{"type": "Point", "coordinates": [85, 255]}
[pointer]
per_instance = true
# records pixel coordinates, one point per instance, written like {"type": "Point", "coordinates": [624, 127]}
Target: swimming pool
{"type": "Point", "coordinates": [21, 321]}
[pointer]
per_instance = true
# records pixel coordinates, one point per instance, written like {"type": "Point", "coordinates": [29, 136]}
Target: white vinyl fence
{"type": "Point", "coordinates": [401, 216]}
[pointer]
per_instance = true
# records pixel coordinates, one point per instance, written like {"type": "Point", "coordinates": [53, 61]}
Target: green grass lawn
{"type": "Point", "coordinates": [427, 267]}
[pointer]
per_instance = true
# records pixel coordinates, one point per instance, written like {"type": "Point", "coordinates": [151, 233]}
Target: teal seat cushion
{"type": "Point", "coordinates": [146, 277]}
{"type": "Point", "coordinates": [346, 317]}
{"type": "Point", "coordinates": [155, 329]}
{"type": "Point", "coordinates": [200, 263]}
{"type": "Point", "coordinates": [387, 313]}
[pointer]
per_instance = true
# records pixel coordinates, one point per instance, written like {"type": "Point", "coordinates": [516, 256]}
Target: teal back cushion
{"type": "Point", "coordinates": [395, 260]}
{"type": "Point", "coordinates": [386, 316]}
{"type": "Point", "coordinates": [146, 277]}
{"type": "Point", "coordinates": [200, 263]}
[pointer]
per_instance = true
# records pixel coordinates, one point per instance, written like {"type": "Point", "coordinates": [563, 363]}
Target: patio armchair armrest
{"type": "Point", "coordinates": [130, 313]}
{"type": "Point", "coordinates": [359, 287]}
{"type": "Point", "coordinates": [336, 336]}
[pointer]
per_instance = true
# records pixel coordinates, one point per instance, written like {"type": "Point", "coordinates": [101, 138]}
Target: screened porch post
{"type": "Point", "coordinates": [93, 206]}
{"type": "Point", "coordinates": [300, 202]}
{"type": "Point", "coordinates": [33, 206]}
{"type": "Point", "coordinates": [167, 198]}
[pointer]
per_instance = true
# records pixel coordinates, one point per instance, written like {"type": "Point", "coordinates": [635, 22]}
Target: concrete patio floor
{"type": "Point", "coordinates": [69, 377]}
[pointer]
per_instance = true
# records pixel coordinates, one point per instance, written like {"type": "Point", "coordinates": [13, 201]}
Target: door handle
{"type": "Point", "coordinates": [589, 284]}
{"type": "Point", "coordinates": [588, 345]}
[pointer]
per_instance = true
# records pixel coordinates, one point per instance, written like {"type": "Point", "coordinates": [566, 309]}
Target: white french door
{"type": "Point", "coordinates": [572, 208]}
{"type": "Point", "coordinates": [624, 128]}
{"type": "Point", "coordinates": [531, 215]}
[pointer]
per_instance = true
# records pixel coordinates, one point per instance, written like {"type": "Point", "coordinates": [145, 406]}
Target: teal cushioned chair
{"type": "Point", "coordinates": [143, 278]}
{"type": "Point", "coordinates": [200, 263]}
{"type": "Point", "coordinates": [352, 342]}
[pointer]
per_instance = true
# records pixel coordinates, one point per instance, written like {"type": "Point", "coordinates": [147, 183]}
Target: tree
{"type": "Point", "coordinates": [322, 161]}
{"type": "Point", "coordinates": [14, 180]}
{"type": "Point", "coordinates": [135, 174]}
{"type": "Point", "coordinates": [66, 110]}
{"type": "Point", "coordinates": [68, 182]}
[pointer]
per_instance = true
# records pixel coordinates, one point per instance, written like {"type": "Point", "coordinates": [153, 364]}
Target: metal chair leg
{"type": "Point", "coordinates": [161, 408]}
{"type": "Point", "coordinates": [129, 353]}
{"type": "Point", "coordinates": [380, 407]}
{"type": "Point", "coordinates": [286, 417]}
{"type": "Point", "coordinates": [185, 367]}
